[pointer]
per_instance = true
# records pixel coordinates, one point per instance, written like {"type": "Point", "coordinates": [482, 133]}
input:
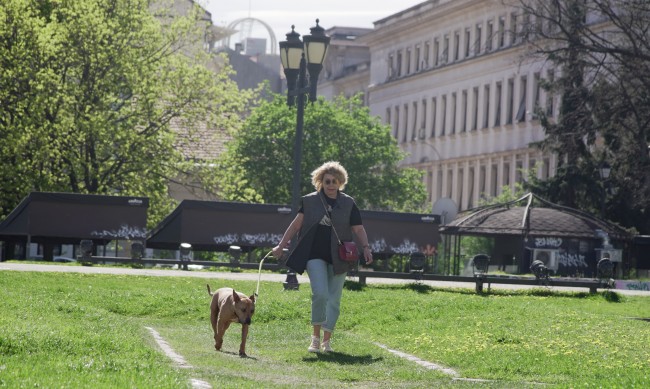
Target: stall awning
{"type": "Point", "coordinates": [66, 218]}
{"type": "Point", "coordinates": [214, 226]}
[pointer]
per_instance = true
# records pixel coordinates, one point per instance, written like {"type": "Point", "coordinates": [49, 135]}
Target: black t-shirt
{"type": "Point", "coordinates": [320, 247]}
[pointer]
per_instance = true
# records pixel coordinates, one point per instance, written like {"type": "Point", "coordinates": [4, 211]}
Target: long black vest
{"type": "Point", "coordinates": [314, 211]}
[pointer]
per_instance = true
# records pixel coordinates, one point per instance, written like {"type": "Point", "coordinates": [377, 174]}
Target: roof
{"type": "Point", "coordinates": [69, 217]}
{"type": "Point", "coordinates": [532, 216]}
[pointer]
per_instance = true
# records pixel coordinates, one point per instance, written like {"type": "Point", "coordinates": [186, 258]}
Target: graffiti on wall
{"type": "Point", "coordinates": [124, 232]}
{"type": "Point", "coordinates": [251, 239]}
{"type": "Point", "coordinates": [632, 285]}
{"type": "Point", "coordinates": [548, 242]}
{"type": "Point", "coordinates": [405, 247]}
{"type": "Point", "coordinates": [571, 260]}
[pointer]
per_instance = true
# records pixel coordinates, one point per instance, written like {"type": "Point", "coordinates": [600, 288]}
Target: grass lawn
{"type": "Point", "coordinates": [78, 330]}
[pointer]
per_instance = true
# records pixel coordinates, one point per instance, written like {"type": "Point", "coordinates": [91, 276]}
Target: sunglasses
{"type": "Point", "coordinates": [328, 181]}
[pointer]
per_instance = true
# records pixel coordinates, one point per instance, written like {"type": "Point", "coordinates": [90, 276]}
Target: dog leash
{"type": "Point", "coordinates": [259, 275]}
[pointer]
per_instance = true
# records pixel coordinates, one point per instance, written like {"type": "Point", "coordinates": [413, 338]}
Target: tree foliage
{"type": "Point", "coordinates": [257, 165]}
{"type": "Point", "coordinates": [89, 94]}
{"type": "Point", "coordinates": [602, 52]}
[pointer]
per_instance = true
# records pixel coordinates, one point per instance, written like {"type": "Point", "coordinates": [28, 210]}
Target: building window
{"type": "Point", "coordinates": [425, 61]}
{"type": "Point", "coordinates": [417, 58]}
{"type": "Point", "coordinates": [459, 186]}
{"type": "Point", "coordinates": [396, 124]}
{"type": "Point", "coordinates": [477, 41]}
{"type": "Point", "coordinates": [488, 36]}
{"type": "Point", "coordinates": [467, 42]}
{"type": "Point", "coordinates": [433, 117]}
{"type": "Point", "coordinates": [463, 112]}
{"type": "Point", "coordinates": [391, 66]}
{"type": "Point", "coordinates": [502, 31]}
{"type": "Point", "coordinates": [511, 100]}
{"type": "Point", "coordinates": [546, 168]}
{"type": "Point", "coordinates": [537, 91]}
{"type": "Point", "coordinates": [407, 67]}
{"type": "Point", "coordinates": [471, 189]}
{"type": "Point", "coordinates": [388, 117]}
{"type": "Point", "coordinates": [523, 89]}
{"type": "Point", "coordinates": [443, 119]}
{"type": "Point", "coordinates": [475, 111]}
{"type": "Point", "coordinates": [414, 122]}
{"type": "Point", "coordinates": [486, 107]}
{"type": "Point", "coordinates": [456, 46]}
{"type": "Point", "coordinates": [453, 112]}
{"type": "Point", "coordinates": [497, 98]}
{"type": "Point", "coordinates": [399, 63]}
{"type": "Point", "coordinates": [423, 120]}
{"type": "Point", "coordinates": [436, 52]}
{"type": "Point", "coordinates": [404, 129]}
{"type": "Point", "coordinates": [494, 181]}
{"type": "Point", "coordinates": [445, 50]}
{"type": "Point", "coordinates": [519, 174]}
{"type": "Point", "coordinates": [549, 96]}
{"type": "Point", "coordinates": [482, 184]}
{"type": "Point", "coordinates": [514, 36]}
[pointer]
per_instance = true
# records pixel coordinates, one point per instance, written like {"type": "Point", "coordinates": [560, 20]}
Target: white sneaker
{"type": "Point", "coordinates": [314, 347]}
{"type": "Point", "coordinates": [326, 347]}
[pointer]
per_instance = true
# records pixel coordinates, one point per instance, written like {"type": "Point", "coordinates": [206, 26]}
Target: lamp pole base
{"type": "Point", "coordinates": [291, 283]}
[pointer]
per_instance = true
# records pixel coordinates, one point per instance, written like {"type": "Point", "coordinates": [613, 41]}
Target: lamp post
{"type": "Point", "coordinates": [299, 57]}
{"type": "Point", "coordinates": [604, 170]}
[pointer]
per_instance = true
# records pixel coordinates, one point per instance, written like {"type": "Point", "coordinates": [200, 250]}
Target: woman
{"type": "Point", "coordinates": [316, 247]}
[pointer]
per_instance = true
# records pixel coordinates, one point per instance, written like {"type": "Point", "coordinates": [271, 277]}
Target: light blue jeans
{"type": "Point", "coordinates": [326, 291]}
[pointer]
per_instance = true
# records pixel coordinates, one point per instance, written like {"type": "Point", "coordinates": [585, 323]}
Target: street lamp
{"type": "Point", "coordinates": [299, 57]}
{"type": "Point", "coordinates": [604, 170]}
{"type": "Point", "coordinates": [235, 253]}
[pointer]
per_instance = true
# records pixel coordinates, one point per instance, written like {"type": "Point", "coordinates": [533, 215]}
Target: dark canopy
{"type": "Point", "coordinates": [523, 217]}
{"type": "Point", "coordinates": [214, 226]}
{"type": "Point", "coordinates": [401, 233]}
{"type": "Point", "coordinates": [531, 228]}
{"type": "Point", "coordinates": [66, 218]}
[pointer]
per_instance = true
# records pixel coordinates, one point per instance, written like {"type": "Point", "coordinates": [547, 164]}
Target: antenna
{"type": "Point", "coordinates": [446, 208]}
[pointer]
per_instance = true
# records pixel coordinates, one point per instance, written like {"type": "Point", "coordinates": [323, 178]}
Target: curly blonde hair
{"type": "Point", "coordinates": [331, 167]}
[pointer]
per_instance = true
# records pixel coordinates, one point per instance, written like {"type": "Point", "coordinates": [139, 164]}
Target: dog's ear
{"type": "Point", "coordinates": [252, 297]}
{"type": "Point", "coordinates": [235, 296]}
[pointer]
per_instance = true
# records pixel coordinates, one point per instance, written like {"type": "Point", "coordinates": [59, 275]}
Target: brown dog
{"type": "Point", "coordinates": [229, 306]}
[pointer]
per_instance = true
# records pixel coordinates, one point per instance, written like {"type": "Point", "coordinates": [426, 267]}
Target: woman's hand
{"type": "Point", "coordinates": [367, 254]}
{"type": "Point", "coordinates": [278, 251]}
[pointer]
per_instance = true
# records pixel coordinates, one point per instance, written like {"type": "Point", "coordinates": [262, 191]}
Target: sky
{"type": "Point", "coordinates": [281, 14]}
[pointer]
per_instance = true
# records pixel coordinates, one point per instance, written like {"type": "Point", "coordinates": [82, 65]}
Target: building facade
{"type": "Point", "coordinates": [346, 69]}
{"type": "Point", "coordinates": [453, 80]}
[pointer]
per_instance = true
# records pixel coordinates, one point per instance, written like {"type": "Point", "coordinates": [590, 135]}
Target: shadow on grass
{"type": "Point", "coordinates": [236, 354]}
{"type": "Point", "coordinates": [343, 358]}
{"type": "Point", "coordinates": [354, 286]}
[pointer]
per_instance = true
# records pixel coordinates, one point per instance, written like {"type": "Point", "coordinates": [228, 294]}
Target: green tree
{"type": "Point", "coordinates": [257, 163]}
{"type": "Point", "coordinates": [602, 51]}
{"type": "Point", "coordinates": [91, 92]}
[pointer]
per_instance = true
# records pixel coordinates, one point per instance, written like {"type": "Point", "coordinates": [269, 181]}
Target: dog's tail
{"type": "Point", "coordinates": [209, 291]}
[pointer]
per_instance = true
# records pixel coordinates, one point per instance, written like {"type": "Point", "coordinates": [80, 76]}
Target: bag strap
{"type": "Point", "coordinates": [331, 222]}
